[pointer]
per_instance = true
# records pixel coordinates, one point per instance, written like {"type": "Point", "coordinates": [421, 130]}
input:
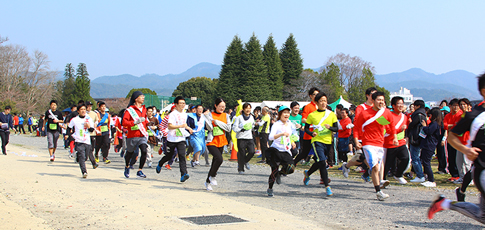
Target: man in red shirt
{"type": "Point", "coordinates": [135, 121]}
{"type": "Point", "coordinates": [371, 124]}
{"type": "Point", "coordinates": [344, 130]}
{"type": "Point", "coordinates": [306, 143]}
{"type": "Point", "coordinates": [399, 152]}
{"type": "Point", "coordinates": [450, 120]}
{"type": "Point", "coordinates": [15, 122]}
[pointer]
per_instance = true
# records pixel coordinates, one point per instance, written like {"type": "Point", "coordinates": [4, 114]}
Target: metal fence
{"type": "Point", "coordinates": [163, 101]}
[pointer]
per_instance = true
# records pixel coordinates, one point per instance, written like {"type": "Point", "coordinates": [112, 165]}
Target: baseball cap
{"type": "Point", "coordinates": [283, 107]}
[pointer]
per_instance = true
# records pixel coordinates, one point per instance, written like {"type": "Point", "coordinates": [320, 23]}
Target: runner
{"type": "Point", "coordinates": [473, 122]}
{"type": "Point", "coordinates": [53, 122]}
{"type": "Point", "coordinates": [431, 134]}
{"type": "Point", "coordinates": [177, 126]}
{"type": "Point", "coordinates": [152, 139]}
{"type": "Point", "coordinates": [30, 123]}
{"type": "Point", "coordinates": [92, 135]}
{"type": "Point", "coordinates": [295, 118]}
{"type": "Point", "coordinates": [197, 122]}
{"type": "Point", "coordinates": [370, 124]}
{"type": "Point", "coordinates": [306, 143]}
{"type": "Point", "coordinates": [220, 124]}
{"type": "Point", "coordinates": [449, 122]}
{"type": "Point", "coordinates": [263, 130]}
{"type": "Point", "coordinates": [324, 122]}
{"type": "Point", "coordinates": [102, 134]}
{"type": "Point", "coordinates": [396, 158]}
{"type": "Point", "coordinates": [280, 154]}
{"type": "Point", "coordinates": [463, 165]}
{"type": "Point", "coordinates": [134, 120]}
{"type": "Point", "coordinates": [344, 130]}
{"type": "Point", "coordinates": [243, 126]}
{"type": "Point", "coordinates": [81, 125]}
{"type": "Point", "coordinates": [6, 123]}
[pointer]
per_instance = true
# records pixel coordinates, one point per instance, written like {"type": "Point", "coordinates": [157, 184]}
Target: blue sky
{"type": "Point", "coordinates": [162, 37]}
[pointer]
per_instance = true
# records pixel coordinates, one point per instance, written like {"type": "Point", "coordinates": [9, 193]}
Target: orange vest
{"type": "Point", "coordinates": [219, 141]}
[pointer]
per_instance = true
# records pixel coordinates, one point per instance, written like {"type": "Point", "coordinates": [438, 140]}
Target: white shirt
{"type": "Point", "coordinates": [81, 134]}
{"type": "Point", "coordinates": [277, 128]}
{"type": "Point", "coordinates": [177, 118]}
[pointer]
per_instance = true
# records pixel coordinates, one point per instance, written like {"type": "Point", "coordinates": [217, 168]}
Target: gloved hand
{"type": "Point", "coordinates": [140, 120]}
{"type": "Point", "coordinates": [349, 126]}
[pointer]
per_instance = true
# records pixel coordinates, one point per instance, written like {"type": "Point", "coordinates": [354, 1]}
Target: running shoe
{"type": "Point", "coordinates": [85, 175]}
{"type": "Point", "coordinates": [306, 179]}
{"type": "Point", "coordinates": [241, 172]}
{"type": "Point", "coordinates": [71, 156]}
{"type": "Point", "coordinates": [149, 164]}
{"type": "Point", "coordinates": [140, 174]}
{"type": "Point", "coordinates": [247, 166]}
{"type": "Point", "coordinates": [96, 159]}
{"type": "Point", "coordinates": [159, 169]}
{"type": "Point", "coordinates": [278, 178]}
{"type": "Point", "coordinates": [131, 167]}
{"type": "Point", "coordinates": [184, 177]}
{"type": "Point", "coordinates": [418, 180]}
{"type": "Point", "coordinates": [382, 196]}
{"type": "Point", "coordinates": [441, 172]}
{"type": "Point", "coordinates": [52, 157]}
{"type": "Point", "coordinates": [122, 153]}
{"type": "Point", "coordinates": [259, 156]}
{"type": "Point", "coordinates": [329, 191]}
{"type": "Point", "coordinates": [95, 166]}
{"type": "Point", "coordinates": [436, 206]}
{"type": "Point", "coordinates": [127, 172]}
{"type": "Point", "coordinates": [188, 157]}
{"type": "Point", "coordinates": [261, 162]}
{"type": "Point", "coordinates": [429, 184]}
{"type": "Point", "coordinates": [345, 170]}
{"type": "Point", "coordinates": [270, 192]}
{"type": "Point", "coordinates": [192, 163]}
{"type": "Point", "coordinates": [458, 181]}
{"type": "Point", "coordinates": [366, 178]}
{"type": "Point", "coordinates": [213, 180]}
{"type": "Point", "coordinates": [208, 186]}
{"type": "Point", "coordinates": [107, 161]}
{"type": "Point", "coordinates": [451, 179]}
{"type": "Point", "coordinates": [384, 184]}
{"type": "Point", "coordinates": [167, 166]}
{"type": "Point", "coordinates": [401, 180]}
{"type": "Point", "coordinates": [460, 196]}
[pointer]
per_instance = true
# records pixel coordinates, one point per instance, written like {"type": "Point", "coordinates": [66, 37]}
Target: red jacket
{"type": "Point", "coordinates": [373, 133]}
{"type": "Point", "coordinates": [128, 121]}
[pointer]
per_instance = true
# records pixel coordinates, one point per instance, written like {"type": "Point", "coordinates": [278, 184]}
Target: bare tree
{"type": "Point", "coordinates": [298, 90]}
{"type": "Point", "coordinates": [350, 68]}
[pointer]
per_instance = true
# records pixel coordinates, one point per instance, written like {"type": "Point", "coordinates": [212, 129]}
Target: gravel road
{"type": "Point", "coordinates": [353, 205]}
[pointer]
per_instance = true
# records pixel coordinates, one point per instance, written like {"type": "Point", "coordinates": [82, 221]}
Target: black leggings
{"type": "Point", "coordinates": [283, 159]}
{"type": "Point", "coordinates": [322, 166]}
{"type": "Point", "coordinates": [306, 146]}
{"type": "Point", "coordinates": [467, 179]}
{"type": "Point", "coordinates": [5, 138]}
{"type": "Point", "coordinates": [102, 142]}
{"type": "Point", "coordinates": [426, 156]}
{"type": "Point", "coordinates": [264, 144]}
{"type": "Point", "coordinates": [216, 153]}
{"type": "Point", "coordinates": [401, 154]}
{"type": "Point", "coordinates": [129, 155]}
{"type": "Point", "coordinates": [180, 147]}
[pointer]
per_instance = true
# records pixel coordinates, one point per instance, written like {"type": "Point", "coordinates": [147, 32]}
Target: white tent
{"type": "Point", "coordinates": [341, 101]}
{"type": "Point", "coordinates": [168, 107]}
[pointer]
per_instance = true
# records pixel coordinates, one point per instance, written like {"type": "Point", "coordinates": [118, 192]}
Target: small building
{"type": "Point", "coordinates": [404, 93]}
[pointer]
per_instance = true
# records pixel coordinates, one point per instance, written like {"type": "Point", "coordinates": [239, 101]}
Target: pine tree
{"type": "Point", "coordinates": [274, 68]}
{"type": "Point", "coordinates": [254, 81]}
{"type": "Point", "coordinates": [292, 63]}
{"type": "Point", "coordinates": [83, 84]}
{"type": "Point", "coordinates": [228, 83]}
{"type": "Point", "coordinates": [69, 87]}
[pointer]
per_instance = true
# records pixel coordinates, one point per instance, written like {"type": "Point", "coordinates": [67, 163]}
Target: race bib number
{"type": "Point", "coordinates": [53, 126]}
{"type": "Point", "coordinates": [323, 132]}
{"type": "Point", "coordinates": [178, 133]}
{"type": "Point", "coordinates": [104, 128]}
{"type": "Point", "coordinates": [400, 135]}
{"type": "Point", "coordinates": [150, 133]}
{"type": "Point", "coordinates": [217, 131]}
{"type": "Point", "coordinates": [248, 126]}
{"type": "Point", "coordinates": [294, 138]}
{"type": "Point", "coordinates": [81, 134]}
{"type": "Point", "coordinates": [133, 128]}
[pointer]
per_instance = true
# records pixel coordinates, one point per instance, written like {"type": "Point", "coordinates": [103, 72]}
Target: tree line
{"type": "Point", "coordinates": [256, 73]}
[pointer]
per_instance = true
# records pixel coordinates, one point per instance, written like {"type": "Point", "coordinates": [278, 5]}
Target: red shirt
{"type": "Point", "coordinates": [452, 119]}
{"type": "Point", "coordinates": [388, 140]}
{"type": "Point", "coordinates": [343, 132]}
{"type": "Point", "coordinates": [373, 133]}
{"type": "Point", "coordinates": [128, 121]}
{"type": "Point", "coordinates": [15, 120]}
{"type": "Point", "coordinates": [358, 111]}
{"type": "Point", "coordinates": [310, 108]}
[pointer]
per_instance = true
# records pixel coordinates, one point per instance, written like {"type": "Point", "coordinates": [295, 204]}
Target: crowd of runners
{"type": "Point", "coordinates": [376, 139]}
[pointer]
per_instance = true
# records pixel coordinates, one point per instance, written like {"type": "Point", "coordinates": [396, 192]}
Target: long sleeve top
{"type": "Point", "coordinates": [243, 128]}
{"type": "Point", "coordinates": [6, 118]}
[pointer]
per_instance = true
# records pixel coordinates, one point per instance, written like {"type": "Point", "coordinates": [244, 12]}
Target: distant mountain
{"type": "Point", "coordinates": [120, 85]}
{"type": "Point", "coordinates": [432, 87]}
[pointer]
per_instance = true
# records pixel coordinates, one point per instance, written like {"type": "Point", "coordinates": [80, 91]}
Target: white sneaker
{"type": "Point", "coordinates": [384, 184]}
{"type": "Point", "coordinates": [345, 170]}
{"type": "Point", "coordinates": [213, 180]}
{"type": "Point", "coordinates": [401, 180]}
{"type": "Point", "coordinates": [382, 196]}
{"type": "Point", "coordinates": [358, 169]}
{"type": "Point", "coordinates": [429, 184]}
{"type": "Point", "coordinates": [208, 186]}
{"type": "Point", "coordinates": [417, 180]}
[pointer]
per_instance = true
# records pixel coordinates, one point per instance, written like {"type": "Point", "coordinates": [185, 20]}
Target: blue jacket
{"type": "Point", "coordinates": [433, 134]}
{"type": "Point", "coordinates": [6, 119]}
{"type": "Point", "coordinates": [21, 120]}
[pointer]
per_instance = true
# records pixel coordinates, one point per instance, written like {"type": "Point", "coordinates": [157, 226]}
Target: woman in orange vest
{"type": "Point", "coordinates": [216, 138]}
